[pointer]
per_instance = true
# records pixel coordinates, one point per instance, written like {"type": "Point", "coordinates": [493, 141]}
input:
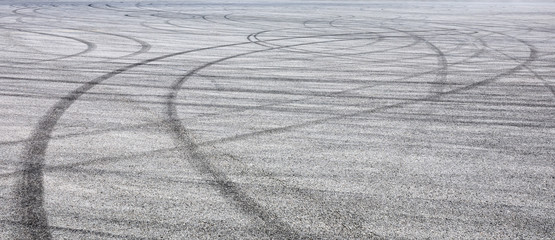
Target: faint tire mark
{"type": "Point", "coordinates": [29, 189]}
{"type": "Point", "coordinates": [532, 57]}
{"type": "Point", "coordinates": [274, 227]}
{"type": "Point", "coordinates": [90, 46]}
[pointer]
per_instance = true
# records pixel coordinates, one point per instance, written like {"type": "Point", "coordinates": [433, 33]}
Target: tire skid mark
{"type": "Point", "coordinates": [265, 106]}
{"type": "Point", "coordinates": [525, 65]}
{"type": "Point", "coordinates": [320, 20]}
{"type": "Point", "coordinates": [273, 226]}
{"type": "Point", "coordinates": [343, 219]}
{"type": "Point", "coordinates": [247, 25]}
{"type": "Point", "coordinates": [90, 133]}
{"type": "Point", "coordinates": [14, 43]}
{"type": "Point", "coordinates": [145, 47]}
{"type": "Point", "coordinates": [314, 198]}
{"type": "Point", "coordinates": [241, 24]}
{"type": "Point", "coordinates": [478, 121]}
{"type": "Point", "coordinates": [90, 46]}
{"type": "Point", "coordinates": [29, 189]}
{"type": "Point", "coordinates": [441, 72]}
{"type": "Point", "coordinates": [536, 75]}
{"type": "Point", "coordinates": [233, 90]}
{"type": "Point", "coordinates": [25, 7]}
{"type": "Point", "coordinates": [193, 31]}
{"type": "Point", "coordinates": [378, 39]}
{"type": "Point", "coordinates": [434, 97]}
{"type": "Point", "coordinates": [254, 39]}
{"type": "Point", "coordinates": [530, 46]}
{"type": "Point", "coordinates": [442, 75]}
{"type": "Point", "coordinates": [442, 61]}
{"type": "Point", "coordinates": [271, 107]}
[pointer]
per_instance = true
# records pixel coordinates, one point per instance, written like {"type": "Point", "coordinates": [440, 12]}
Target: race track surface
{"type": "Point", "coordinates": [277, 120]}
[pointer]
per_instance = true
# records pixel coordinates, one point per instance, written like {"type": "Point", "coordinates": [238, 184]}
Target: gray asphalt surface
{"type": "Point", "coordinates": [277, 120]}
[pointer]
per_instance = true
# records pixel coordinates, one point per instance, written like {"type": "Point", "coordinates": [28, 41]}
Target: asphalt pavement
{"type": "Point", "coordinates": [277, 119]}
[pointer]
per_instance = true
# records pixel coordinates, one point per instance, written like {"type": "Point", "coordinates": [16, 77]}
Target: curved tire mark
{"type": "Point", "coordinates": [273, 226]}
{"type": "Point", "coordinates": [30, 190]}
{"type": "Point", "coordinates": [90, 46]}
{"type": "Point", "coordinates": [532, 57]}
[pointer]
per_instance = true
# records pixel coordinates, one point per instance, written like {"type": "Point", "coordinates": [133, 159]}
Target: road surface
{"type": "Point", "coordinates": [277, 120]}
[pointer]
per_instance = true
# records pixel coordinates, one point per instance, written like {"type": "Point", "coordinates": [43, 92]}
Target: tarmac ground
{"type": "Point", "coordinates": [277, 120]}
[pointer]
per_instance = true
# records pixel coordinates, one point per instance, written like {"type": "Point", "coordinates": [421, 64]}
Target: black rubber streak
{"type": "Point", "coordinates": [29, 189]}
{"type": "Point", "coordinates": [274, 227]}
{"type": "Point", "coordinates": [432, 97]}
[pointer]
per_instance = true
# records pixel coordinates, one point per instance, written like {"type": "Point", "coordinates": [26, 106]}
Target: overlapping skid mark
{"type": "Point", "coordinates": [186, 142]}
{"type": "Point", "coordinates": [380, 37]}
{"type": "Point", "coordinates": [209, 28]}
{"type": "Point", "coordinates": [432, 97]}
{"type": "Point", "coordinates": [197, 30]}
{"type": "Point", "coordinates": [323, 27]}
{"type": "Point", "coordinates": [89, 45]}
{"type": "Point", "coordinates": [442, 61]}
{"type": "Point", "coordinates": [13, 46]}
{"type": "Point", "coordinates": [338, 55]}
{"type": "Point", "coordinates": [481, 27]}
{"type": "Point", "coordinates": [329, 219]}
{"type": "Point", "coordinates": [527, 67]}
{"type": "Point", "coordinates": [57, 14]}
{"type": "Point", "coordinates": [450, 27]}
{"type": "Point", "coordinates": [532, 56]}
{"type": "Point", "coordinates": [252, 23]}
{"type": "Point", "coordinates": [440, 72]}
{"type": "Point", "coordinates": [193, 147]}
{"type": "Point", "coordinates": [150, 86]}
{"type": "Point", "coordinates": [274, 227]}
{"type": "Point", "coordinates": [29, 190]}
{"type": "Point", "coordinates": [63, 19]}
{"type": "Point", "coordinates": [314, 94]}
{"type": "Point", "coordinates": [30, 187]}
{"type": "Point", "coordinates": [545, 83]}
{"type": "Point", "coordinates": [144, 46]}
{"type": "Point", "coordinates": [168, 16]}
{"type": "Point", "coordinates": [254, 38]}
